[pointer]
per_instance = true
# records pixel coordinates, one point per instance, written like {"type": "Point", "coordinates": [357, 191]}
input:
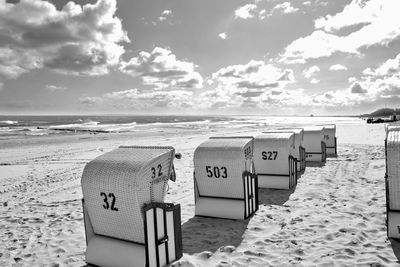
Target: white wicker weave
{"type": "Point", "coordinates": [271, 159]}
{"type": "Point", "coordinates": [391, 127]}
{"type": "Point", "coordinates": [313, 136]}
{"type": "Point", "coordinates": [298, 138]}
{"type": "Point", "coordinates": [117, 184]}
{"type": "Point", "coordinates": [283, 143]}
{"type": "Point", "coordinates": [393, 167]}
{"type": "Point", "coordinates": [226, 159]}
{"type": "Point", "coordinates": [330, 138]}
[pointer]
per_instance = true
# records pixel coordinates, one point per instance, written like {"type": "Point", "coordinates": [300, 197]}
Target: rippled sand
{"type": "Point", "coordinates": [334, 217]}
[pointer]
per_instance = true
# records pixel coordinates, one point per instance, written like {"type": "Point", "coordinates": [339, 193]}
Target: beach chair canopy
{"type": "Point", "coordinates": [271, 152]}
{"type": "Point", "coordinates": [313, 135]}
{"type": "Point", "coordinates": [298, 138]}
{"type": "Point", "coordinates": [392, 127]}
{"type": "Point", "coordinates": [219, 164]}
{"type": "Point", "coordinates": [117, 184]}
{"type": "Point", "coordinates": [329, 135]}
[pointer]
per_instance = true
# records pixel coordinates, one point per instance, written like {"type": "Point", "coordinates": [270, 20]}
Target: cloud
{"type": "Point", "coordinates": [377, 86]}
{"type": "Point", "coordinates": [134, 99]}
{"type": "Point", "coordinates": [285, 8]}
{"type": "Point", "coordinates": [388, 68]}
{"type": "Point", "coordinates": [246, 12]}
{"type": "Point", "coordinates": [166, 14]}
{"type": "Point", "coordinates": [55, 88]}
{"type": "Point", "coordinates": [223, 35]}
{"type": "Point", "coordinates": [307, 3]}
{"type": "Point", "coordinates": [308, 73]}
{"type": "Point", "coordinates": [262, 14]}
{"type": "Point", "coordinates": [357, 89]}
{"type": "Point", "coordinates": [355, 13]}
{"type": "Point", "coordinates": [161, 69]}
{"type": "Point", "coordinates": [254, 74]}
{"type": "Point", "coordinates": [245, 86]}
{"type": "Point", "coordinates": [337, 67]}
{"type": "Point", "coordinates": [378, 25]}
{"type": "Point", "coordinates": [77, 40]}
{"type": "Point", "coordinates": [318, 44]}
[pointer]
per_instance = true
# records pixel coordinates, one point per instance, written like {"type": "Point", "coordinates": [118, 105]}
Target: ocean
{"type": "Point", "coordinates": [48, 125]}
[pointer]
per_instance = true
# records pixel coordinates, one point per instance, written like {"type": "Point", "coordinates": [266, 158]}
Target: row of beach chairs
{"type": "Point", "coordinates": [126, 220]}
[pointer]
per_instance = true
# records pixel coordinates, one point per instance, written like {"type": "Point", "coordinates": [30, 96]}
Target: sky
{"type": "Point", "coordinates": [269, 57]}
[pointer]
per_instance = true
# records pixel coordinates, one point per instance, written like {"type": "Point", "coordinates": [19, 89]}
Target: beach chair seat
{"type": "Point", "coordinates": [314, 144]}
{"type": "Point", "coordinates": [330, 140]}
{"type": "Point", "coordinates": [224, 179]}
{"type": "Point", "coordinates": [274, 163]}
{"type": "Point", "coordinates": [392, 181]}
{"type": "Point", "coordinates": [126, 220]}
{"type": "Point", "coordinates": [299, 150]}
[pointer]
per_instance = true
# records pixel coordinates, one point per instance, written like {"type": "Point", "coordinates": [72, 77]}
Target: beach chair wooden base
{"type": "Point", "coordinates": [317, 156]}
{"type": "Point", "coordinates": [163, 240]}
{"type": "Point", "coordinates": [280, 181]}
{"type": "Point", "coordinates": [229, 208]}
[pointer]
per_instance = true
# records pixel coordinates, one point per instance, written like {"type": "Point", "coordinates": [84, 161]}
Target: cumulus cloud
{"type": "Point", "coordinates": [161, 68]}
{"type": "Point", "coordinates": [355, 13]}
{"type": "Point", "coordinates": [379, 25]}
{"type": "Point", "coordinates": [134, 99]}
{"type": "Point", "coordinates": [262, 14]}
{"type": "Point", "coordinates": [246, 12]}
{"type": "Point", "coordinates": [254, 74]}
{"type": "Point", "coordinates": [311, 71]}
{"type": "Point", "coordinates": [318, 44]}
{"type": "Point", "coordinates": [377, 85]}
{"type": "Point", "coordinates": [388, 68]}
{"type": "Point", "coordinates": [357, 89]}
{"type": "Point", "coordinates": [237, 88]}
{"type": "Point", "coordinates": [166, 14]}
{"type": "Point", "coordinates": [285, 8]}
{"type": "Point", "coordinates": [223, 35]}
{"type": "Point", "coordinates": [337, 67]}
{"type": "Point", "coordinates": [246, 85]}
{"type": "Point", "coordinates": [77, 40]}
{"type": "Point", "coordinates": [55, 88]}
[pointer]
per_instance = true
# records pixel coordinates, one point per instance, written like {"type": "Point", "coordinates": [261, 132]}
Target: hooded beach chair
{"type": "Point", "coordinates": [314, 143]}
{"type": "Point", "coordinates": [392, 180]}
{"type": "Point", "coordinates": [299, 151]}
{"type": "Point", "coordinates": [126, 220]}
{"type": "Point", "coordinates": [274, 163]}
{"type": "Point", "coordinates": [224, 180]}
{"type": "Point", "coordinates": [330, 140]}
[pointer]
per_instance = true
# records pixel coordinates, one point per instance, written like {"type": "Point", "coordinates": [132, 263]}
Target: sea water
{"type": "Point", "coordinates": [46, 125]}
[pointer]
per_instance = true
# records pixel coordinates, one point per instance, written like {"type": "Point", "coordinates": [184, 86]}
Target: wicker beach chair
{"type": "Point", "coordinates": [127, 222]}
{"type": "Point", "coordinates": [274, 163]}
{"type": "Point", "coordinates": [314, 144]}
{"type": "Point", "coordinates": [224, 180]}
{"type": "Point", "coordinates": [392, 180]}
{"type": "Point", "coordinates": [299, 151]}
{"type": "Point", "coordinates": [330, 140]}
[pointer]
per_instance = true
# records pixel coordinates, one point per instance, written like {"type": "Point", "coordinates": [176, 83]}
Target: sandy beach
{"type": "Point", "coordinates": [334, 217]}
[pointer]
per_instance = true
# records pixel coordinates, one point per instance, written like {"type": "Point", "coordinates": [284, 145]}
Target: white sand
{"type": "Point", "coordinates": [334, 217]}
